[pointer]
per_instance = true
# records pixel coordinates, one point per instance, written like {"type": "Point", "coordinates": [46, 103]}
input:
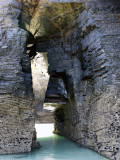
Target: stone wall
{"type": "Point", "coordinates": [16, 97]}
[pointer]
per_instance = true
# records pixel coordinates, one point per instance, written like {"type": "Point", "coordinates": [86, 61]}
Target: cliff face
{"type": "Point", "coordinates": [91, 117]}
{"type": "Point", "coordinates": [82, 41]}
{"type": "Point", "coordinates": [16, 98]}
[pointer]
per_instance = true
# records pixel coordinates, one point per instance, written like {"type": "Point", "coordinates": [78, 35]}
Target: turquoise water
{"type": "Point", "coordinates": [56, 148]}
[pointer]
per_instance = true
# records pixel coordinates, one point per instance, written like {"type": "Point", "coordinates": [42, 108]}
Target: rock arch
{"type": "Point", "coordinates": [87, 51]}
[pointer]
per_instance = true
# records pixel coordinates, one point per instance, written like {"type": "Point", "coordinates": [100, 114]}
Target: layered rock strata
{"type": "Point", "coordinates": [91, 117]}
{"type": "Point", "coordinates": [83, 52]}
{"type": "Point", "coordinates": [16, 97]}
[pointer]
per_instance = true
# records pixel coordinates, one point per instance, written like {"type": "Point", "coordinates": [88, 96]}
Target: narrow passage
{"type": "Point", "coordinates": [55, 147]}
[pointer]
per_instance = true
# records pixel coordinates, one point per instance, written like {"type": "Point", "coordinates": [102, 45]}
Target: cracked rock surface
{"type": "Point", "coordinates": [82, 39]}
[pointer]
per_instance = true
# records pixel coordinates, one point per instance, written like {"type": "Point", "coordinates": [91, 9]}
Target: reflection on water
{"type": "Point", "coordinates": [54, 147]}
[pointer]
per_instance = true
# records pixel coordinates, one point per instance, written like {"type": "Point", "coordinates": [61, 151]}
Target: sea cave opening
{"type": "Point", "coordinates": [51, 93]}
{"type": "Point", "coordinates": [59, 66]}
{"type": "Point", "coordinates": [49, 90]}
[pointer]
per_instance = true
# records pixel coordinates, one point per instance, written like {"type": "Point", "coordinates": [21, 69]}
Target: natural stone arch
{"type": "Point", "coordinates": [92, 112]}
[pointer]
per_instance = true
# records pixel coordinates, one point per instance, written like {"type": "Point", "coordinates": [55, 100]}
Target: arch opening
{"type": "Point", "coordinates": [82, 52]}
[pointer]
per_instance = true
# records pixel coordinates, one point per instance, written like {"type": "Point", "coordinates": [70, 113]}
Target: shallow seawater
{"type": "Point", "coordinates": [56, 148]}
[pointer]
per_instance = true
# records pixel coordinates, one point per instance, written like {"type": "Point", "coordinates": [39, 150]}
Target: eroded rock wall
{"type": "Point", "coordinates": [91, 117]}
{"type": "Point", "coordinates": [40, 78]}
{"type": "Point", "coordinates": [85, 55]}
{"type": "Point", "coordinates": [16, 105]}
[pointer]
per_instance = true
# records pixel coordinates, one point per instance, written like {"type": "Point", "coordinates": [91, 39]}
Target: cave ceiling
{"type": "Point", "coordinates": [48, 18]}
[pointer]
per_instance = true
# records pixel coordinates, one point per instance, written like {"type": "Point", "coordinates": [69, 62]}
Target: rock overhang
{"type": "Point", "coordinates": [47, 18]}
